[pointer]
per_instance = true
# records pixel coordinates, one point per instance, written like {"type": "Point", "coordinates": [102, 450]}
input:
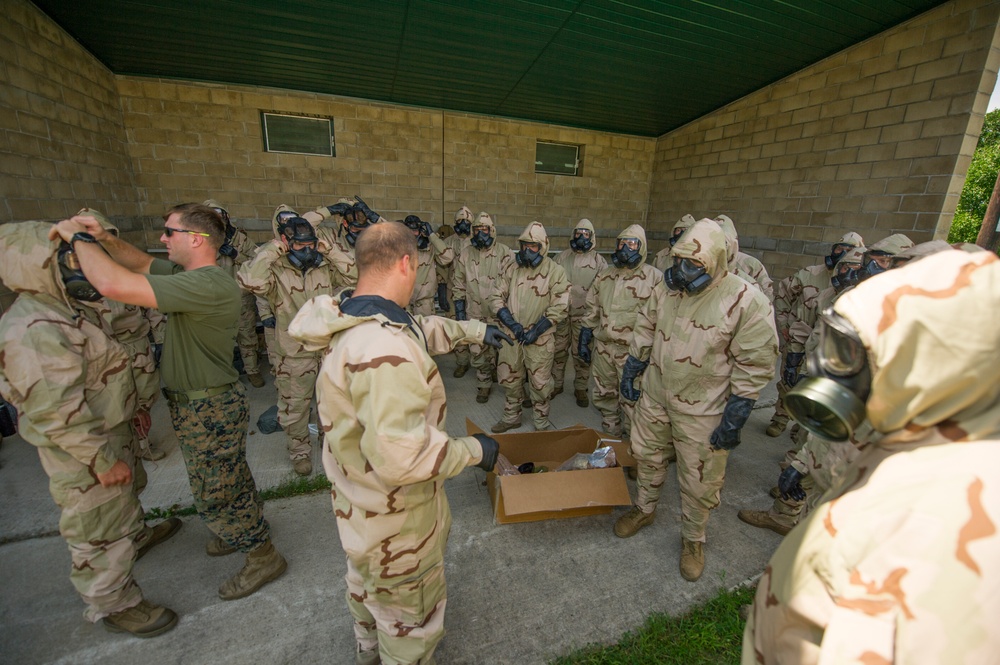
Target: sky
{"type": "Point", "coordinates": [995, 99]}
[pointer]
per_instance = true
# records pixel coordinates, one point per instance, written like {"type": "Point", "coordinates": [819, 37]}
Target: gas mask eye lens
{"type": "Point", "coordinates": [841, 350]}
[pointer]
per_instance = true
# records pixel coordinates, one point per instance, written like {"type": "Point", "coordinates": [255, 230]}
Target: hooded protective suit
{"type": "Point", "coordinates": [663, 258]}
{"type": "Point", "coordinates": [475, 278]}
{"type": "Point", "coordinates": [456, 243]}
{"type": "Point", "coordinates": [581, 269]}
{"type": "Point", "coordinates": [612, 306]}
{"type": "Point", "coordinates": [701, 349]}
{"type": "Point", "coordinates": [332, 244]}
{"type": "Point", "coordinates": [244, 249]}
{"type": "Point", "coordinates": [386, 450]}
{"type": "Point", "coordinates": [272, 277]}
{"type": "Point", "coordinates": [902, 562]}
{"type": "Point", "coordinates": [741, 264]}
{"type": "Point", "coordinates": [537, 298]}
{"type": "Point", "coordinates": [437, 255]}
{"type": "Point", "coordinates": [72, 385]}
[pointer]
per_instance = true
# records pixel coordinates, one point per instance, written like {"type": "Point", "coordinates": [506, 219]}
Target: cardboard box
{"type": "Point", "coordinates": [545, 496]}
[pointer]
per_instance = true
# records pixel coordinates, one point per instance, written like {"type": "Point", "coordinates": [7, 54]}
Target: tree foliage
{"type": "Point", "coordinates": [979, 182]}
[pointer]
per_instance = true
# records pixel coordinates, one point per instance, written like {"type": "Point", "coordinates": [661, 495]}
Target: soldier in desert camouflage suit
{"type": "Point", "coordinates": [382, 406]}
{"type": "Point", "coordinates": [432, 252]}
{"type": "Point", "coordinates": [287, 280]}
{"type": "Point", "coordinates": [708, 346]}
{"type": "Point", "coordinates": [73, 388]}
{"type": "Point", "coordinates": [663, 258]}
{"type": "Point", "coordinates": [613, 303]}
{"type": "Point", "coordinates": [237, 250]}
{"type": "Point", "coordinates": [581, 262]}
{"type": "Point", "coordinates": [531, 298]}
{"type": "Point", "coordinates": [477, 270]}
{"type": "Point", "coordinates": [458, 241]}
{"type": "Point", "coordinates": [742, 264]}
{"type": "Point", "coordinates": [901, 563]}
{"type": "Point", "coordinates": [789, 294]}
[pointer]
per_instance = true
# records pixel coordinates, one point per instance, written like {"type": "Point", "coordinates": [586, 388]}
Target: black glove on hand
{"type": "Point", "coordinates": [425, 229]}
{"type": "Point", "coordinates": [789, 484]}
{"type": "Point", "coordinates": [268, 322]}
{"type": "Point", "coordinates": [228, 250]}
{"type": "Point", "coordinates": [532, 334]}
{"type": "Point", "coordinates": [583, 346]}
{"type": "Point", "coordinates": [495, 337]}
{"type": "Point", "coordinates": [508, 320]}
{"type": "Point", "coordinates": [157, 353]}
{"type": "Point", "coordinates": [443, 298]}
{"type": "Point", "coordinates": [369, 213]}
{"type": "Point", "coordinates": [630, 372]}
{"type": "Point", "coordinates": [727, 435]}
{"type": "Point", "coordinates": [339, 208]}
{"type": "Point", "coordinates": [460, 314]}
{"type": "Point", "coordinates": [490, 451]}
{"type": "Point", "coordinates": [790, 373]}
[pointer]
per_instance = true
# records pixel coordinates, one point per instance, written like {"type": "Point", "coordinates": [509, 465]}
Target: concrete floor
{"type": "Point", "coordinates": [520, 593]}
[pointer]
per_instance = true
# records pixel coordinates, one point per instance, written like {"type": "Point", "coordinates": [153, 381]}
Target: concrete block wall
{"type": "Point", "coordinates": [191, 141]}
{"type": "Point", "coordinates": [875, 139]}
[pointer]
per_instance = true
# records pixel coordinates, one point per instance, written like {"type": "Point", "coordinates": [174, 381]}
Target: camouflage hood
{"type": "Point", "coordinates": [635, 231]}
{"type": "Point", "coordinates": [464, 213]}
{"type": "Point", "coordinates": [684, 223]}
{"type": "Point", "coordinates": [321, 318]}
{"type": "Point", "coordinates": [485, 219]}
{"type": "Point", "coordinates": [852, 256]}
{"type": "Point", "coordinates": [705, 242]}
{"type": "Point", "coordinates": [29, 260]}
{"type": "Point", "coordinates": [274, 217]}
{"type": "Point", "coordinates": [851, 238]}
{"type": "Point", "coordinates": [101, 219]}
{"type": "Point", "coordinates": [589, 225]}
{"type": "Point", "coordinates": [893, 245]}
{"type": "Point", "coordinates": [932, 331]}
{"type": "Point", "coordinates": [212, 203]}
{"type": "Point", "coordinates": [535, 232]}
{"type": "Point", "coordinates": [732, 240]}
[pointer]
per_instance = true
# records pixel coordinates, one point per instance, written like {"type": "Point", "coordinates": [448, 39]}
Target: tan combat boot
{"type": "Point", "coordinates": [143, 620]}
{"type": "Point", "coordinates": [157, 534]}
{"type": "Point", "coordinates": [460, 371]}
{"type": "Point", "coordinates": [370, 657]}
{"type": "Point", "coordinates": [483, 395]}
{"type": "Point", "coordinates": [629, 524]}
{"type": "Point", "coordinates": [303, 466]}
{"type": "Point", "coordinates": [776, 427]}
{"type": "Point", "coordinates": [763, 520]}
{"type": "Point", "coordinates": [503, 426]}
{"type": "Point", "coordinates": [582, 400]}
{"type": "Point", "coordinates": [256, 380]}
{"type": "Point", "coordinates": [692, 559]}
{"type": "Point", "coordinates": [263, 565]}
{"type": "Point", "coordinates": [218, 547]}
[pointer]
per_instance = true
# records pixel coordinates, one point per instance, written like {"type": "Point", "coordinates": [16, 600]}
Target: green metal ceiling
{"type": "Point", "coordinates": [629, 66]}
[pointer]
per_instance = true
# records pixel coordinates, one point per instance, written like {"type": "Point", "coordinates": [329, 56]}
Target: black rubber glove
{"type": "Point", "coordinates": [789, 484]}
{"type": "Point", "coordinates": [495, 337]}
{"type": "Point", "coordinates": [490, 451]}
{"type": "Point", "coordinates": [532, 334]}
{"type": "Point", "coordinates": [727, 435]}
{"type": "Point", "coordinates": [229, 251]}
{"type": "Point", "coordinates": [630, 372]}
{"type": "Point", "coordinates": [508, 320]}
{"type": "Point", "coordinates": [339, 208]}
{"type": "Point", "coordinates": [268, 322]}
{"type": "Point", "coordinates": [583, 346]}
{"type": "Point", "coordinates": [369, 213]}
{"type": "Point", "coordinates": [443, 298]}
{"type": "Point", "coordinates": [790, 373]}
{"type": "Point", "coordinates": [157, 353]}
{"type": "Point", "coordinates": [425, 229]}
{"type": "Point", "coordinates": [460, 314]}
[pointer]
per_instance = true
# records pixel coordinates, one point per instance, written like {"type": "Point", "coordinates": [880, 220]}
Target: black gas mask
{"type": "Point", "coordinates": [421, 230]}
{"type": "Point", "coordinates": [686, 275]}
{"type": "Point", "coordinates": [355, 221]}
{"type": "Point", "coordinates": [481, 239]}
{"type": "Point", "coordinates": [227, 248]}
{"type": "Point", "coordinates": [582, 240]}
{"type": "Point", "coordinates": [528, 256]}
{"type": "Point", "coordinates": [676, 236]}
{"type": "Point", "coordinates": [839, 249]}
{"type": "Point", "coordinates": [299, 231]}
{"type": "Point", "coordinates": [844, 277]}
{"type": "Point", "coordinates": [628, 254]}
{"type": "Point", "coordinates": [830, 402]}
{"type": "Point", "coordinates": [77, 285]}
{"type": "Point", "coordinates": [463, 227]}
{"type": "Point", "coordinates": [870, 264]}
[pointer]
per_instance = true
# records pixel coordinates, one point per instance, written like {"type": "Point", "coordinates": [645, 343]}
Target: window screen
{"type": "Point", "coordinates": [296, 133]}
{"type": "Point", "coordinates": [558, 158]}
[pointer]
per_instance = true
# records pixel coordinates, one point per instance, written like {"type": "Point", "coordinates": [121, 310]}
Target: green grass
{"type": "Point", "coordinates": [711, 633]}
{"type": "Point", "coordinates": [295, 487]}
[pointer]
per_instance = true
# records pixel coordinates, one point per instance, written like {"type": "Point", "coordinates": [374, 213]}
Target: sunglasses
{"type": "Point", "coordinates": [169, 231]}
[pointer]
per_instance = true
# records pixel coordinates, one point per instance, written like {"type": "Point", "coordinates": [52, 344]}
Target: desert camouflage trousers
{"type": "Point", "coordinates": [395, 583]}
{"type": "Point", "coordinates": [424, 306]}
{"type": "Point", "coordinates": [295, 379]}
{"type": "Point", "coordinates": [213, 437]}
{"type": "Point", "coordinates": [246, 335]}
{"type": "Point", "coordinates": [616, 412]}
{"type": "Point", "coordinates": [567, 343]}
{"type": "Point", "coordinates": [780, 414]}
{"type": "Point", "coordinates": [826, 463]}
{"type": "Point", "coordinates": [659, 436]}
{"type": "Point", "coordinates": [534, 361]}
{"type": "Point", "coordinates": [788, 512]}
{"type": "Point", "coordinates": [483, 360]}
{"type": "Point", "coordinates": [100, 526]}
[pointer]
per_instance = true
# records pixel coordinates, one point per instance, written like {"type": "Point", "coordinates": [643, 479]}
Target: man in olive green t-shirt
{"type": "Point", "coordinates": [208, 405]}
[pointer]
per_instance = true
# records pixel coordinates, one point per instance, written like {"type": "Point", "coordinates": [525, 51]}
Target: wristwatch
{"type": "Point", "coordinates": [84, 236]}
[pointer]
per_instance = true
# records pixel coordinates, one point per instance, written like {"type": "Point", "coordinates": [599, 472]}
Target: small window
{"type": "Point", "coordinates": [305, 135]}
{"type": "Point", "coordinates": [558, 158]}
